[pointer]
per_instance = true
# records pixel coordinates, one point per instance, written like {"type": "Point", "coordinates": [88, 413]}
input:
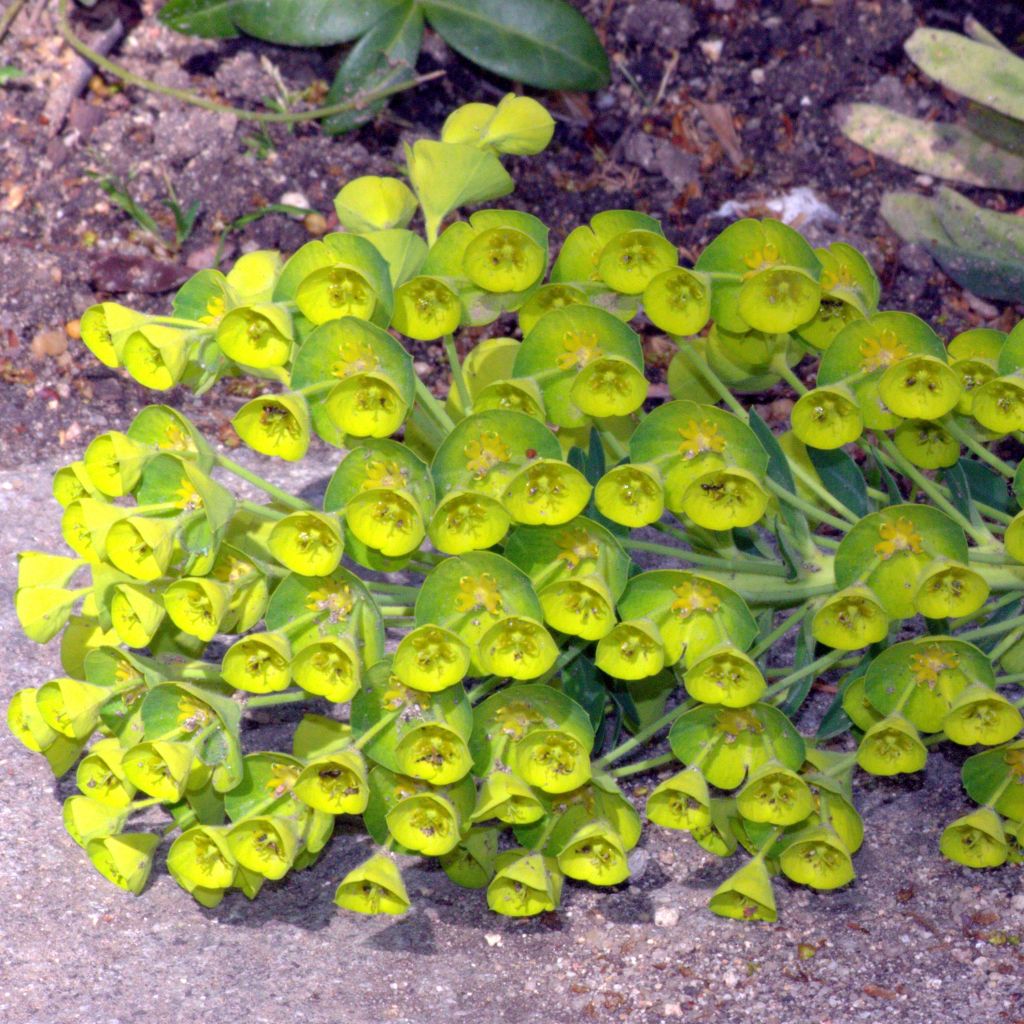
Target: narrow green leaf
{"type": "Point", "coordinates": [955, 479]}
{"type": "Point", "coordinates": [986, 485]}
{"type": "Point", "coordinates": [841, 477]}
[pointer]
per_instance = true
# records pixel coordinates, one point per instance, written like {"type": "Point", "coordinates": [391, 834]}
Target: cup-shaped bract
{"type": "Point", "coordinates": [426, 308]}
{"type": "Point", "coordinates": [978, 840]}
{"type": "Point", "coordinates": [518, 125]}
{"type": "Point", "coordinates": [136, 611]}
{"type": "Point", "coordinates": [258, 336]}
{"type": "Point", "coordinates": [386, 520]}
{"type": "Point", "coordinates": [775, 795]}
{"type": "Point", "coordinates": [594, 853]}
{"type": "Point", "coordinates": [504, 259]}
{"type": "Point", "coordinates": [258, 663]}
{"type": "Point", "coordinates": [891, 747]}
{"type": "Point", "coordinates": [201, 862]}
{"type": "Point", "coordinates": [159, 768]}
{"type": "Point", "coordinates": [609, 386]}
{"type": "Point", "coordinates": [678, 301]}
{"type": "Point", "coordinates": [373, 203]}
{"type": "Point", "coordinates": [980, 714]}
{"type": "Point", "coordinates": [157, 355]}
{"type": "Point", "coordinates": [275, 425]}
{"type": "Point", "coordinates": [818, 858]}
{"type": "Point", "coordinates": [328, 667]}
{"type": "Point", "coordinates": [471, 863]}
{"type": "Point", "coordinates": [104, 328]}
{"type": "Point", "coordinates": [265, 844]}
{"type": "Point", "coordinates": [525, 883]}
{"type": "Point", "coordinates": [197, 605]}
{"type": "Point", "coordinates": [71, 707]}
{"type": "Point", "coordinates": [746, 894]}
{"type": "Point", "coordinates": [508, 798]}
{"type": "Point", "coordinates": [115, 462]}
{"type": "Point", "coordinates": [307, 542]}
{"type": "Point", "coordinates": [778, 299]}
{"type": "Point", "coordinates": [552, 760]}
{"type": "Point", "coordinates": [468, 522]}
{"type": "Point", "coordinates": [631, 495]}
{"type": "Point", "coordinates": [517, 647]}
{"type": "Point", "coordinates": [631, 650]}
{"type": "Point", "coordinates": [920, 387]}
{"type": "Point", "coordinates": [366, 405]}
{"type": "Point", "coordinates": [579, 607]}
{"type": "Point", "coordinates": [948, 590]}
{"type": "Point", "coordinates": [545, 298]}
{"type": "Point", "coordinates": [632, 259]}
{"type": "Point", "coordinates": [26, 723]}
{"type": "Point", "coordinates": [427, 822]}
{"type": "Point", "coordinates": [336, 291]}
{"type": "Point", "coordinates": [827, 417]}
{"type": "Point", "coordinates": [100, 774]}
{"type": "Point", "coordinates": [926, 444]}
{"type": "Point", "coordinates": [431, 658]}
{"type": "Point", "coordinates": [681, 802]}
{"type": "Point", "coordinates": [998, 404]}
{"type": "Point", "coordinates": [125, 860]}
{"type": "Point", "coordinates": [724, 675]}
{"type": "Point", "coordinates": [725, 499]}
{"type": "Point", "coordinates": [547, 492]}
{"type": "Point", "coordinates": [86, 818]}
{"type": "Point", "coordinates": [335, 783]}
{"type": "Point", "coordinates": [43, 611]}
{"type": "Point", "coordinates": [141, 546]}
{"type": "Point", "coordinates": [850, 619]}
{"type": "Point", "coordinates": [434, 752]}
{"type": "Point", "coordinates": [374, 887]}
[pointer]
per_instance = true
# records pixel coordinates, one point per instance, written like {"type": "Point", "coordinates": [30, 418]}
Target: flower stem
{"type": "Point", "coordinates": [683, 555]}
{"type": "Point", "coordinates": [379, 726]}
{"type": "Point", "coordinates": [952, 428]}
{"type": "Point", "coordinates": [434, 409]}
{"type": "Point", "coordinates": [791, 620]}
{"type": "Point", "coordinates": [264, 485]}
{"type": "Point", "coordinates": [458, 377]}
{"type": "Point", "coordinates": [269, 700]}
{"type": "Point", "coordinates": [809, 510]}
{"type": "Point", "coordinates": [643, 735]}
{"type": "Point", "coordinates": [822, 664]}
{"type": "Point", "coordinates": [642, 766]}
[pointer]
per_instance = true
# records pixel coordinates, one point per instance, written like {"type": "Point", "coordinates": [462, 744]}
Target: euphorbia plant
{"type": "Point", "coordinates": [469, 591]}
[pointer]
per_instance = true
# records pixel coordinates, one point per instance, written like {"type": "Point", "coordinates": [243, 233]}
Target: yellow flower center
{"type": "Point", "coordinates": [354, 356]}
{"type": "Point", "coordinates": [282, 778]}
{"type": "Point", "coordinates": [381, 474]}
{"type": "Point", "coordinates": [486, 452]}
{"type": "Point", "coordinates": [581, 347]}
{"type": "Point", "coordinates": [337, 601]}
{"type": "Point", "coordinates": [897, 537]}
{"type": "Point", "coordinates": [694, 596]}
{"type": "Point", "coordinates": [215, 309]}
{"type": "Point", "coordinates": [576, 546]}
{"type": "Point", "coordinates": [698, 438]}
{"type": "Point", "coordinates": [761, 258]}
{"type": "Point", "coordinates": [885, 350]}
{"type": "Point", "coordinates": [478, 592]}
{"type": "Point", "coordinates": [928, 665]}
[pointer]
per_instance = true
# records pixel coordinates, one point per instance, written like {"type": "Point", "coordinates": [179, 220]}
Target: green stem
{"type": "Point", "coordinates": [643, 735]}
{"type": "Point", "coordinates": [1003, 786]}
{"type": "Point", "coordinates": [756, 590]}
{"type": "Point", "coordinates": [359, 102]}
{"type": "Point", "coordinates": [263, 511]}
{"type": "Point", "coordinates": [823, 494]}
{"type": "Point", "coordinates": [951, 427]}
{"type": "Point", "coordinates": [822, 664]}
{"type": "Point", "coordinates": [844, 765]}
{"type": "Point", "coordinates": [1011, 680]}
{"type": "Point", "coordinates": [379, 726]}
{"type": "Point", "coordinates": [995, 629]}
{"type": "Point", "coordinates": [791, 620]}
{"type": "Point", "coordinates": [783, 369]}
{"type": "Point", "coordinates": [619, 450]}
{"type": "Point", "coordinates": [264, 485]}
{"type": "Point", "coordinates": [269, 700]}
{"type": "Point", "coordinates": [982, 536]}
{"type": "Point", "coordinates": [681, 555]}
{"type": "Point", "coordinates": [987, 610]}
{"type": "Point", "coordinates": [733, 557]}
{"type": "Point", "coordinates": [712, 378]}
{"type": "Point", "coordinates": [458, 376]}
{"type": "Point", "coordinates": [433, 407]}
{"type": "Point", "coordinates": [186, 822]}
{"type": "Point", "coordinates": [485, 688]}
{"type": "Point", "coordinates": [809, 510]}
{"type": "Point", "coordinates": [396, 611]}
{"type": "Point", "coordinates": [642, 766]}
{"type": "Point", "coordinates": [399, 589]}
{"type": "Point", "coordinates": [1005, 644]}
{"type": "Point", "coordinates": [433, 434]}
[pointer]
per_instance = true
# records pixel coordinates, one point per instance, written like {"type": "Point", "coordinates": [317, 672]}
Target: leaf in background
{"type": "Point", "coordinates": [291, 22]}
{"type": "Point", "coordinates": [836, 721]}
{"type": "Point", "coordinates": [580, 681]}
{"type": "Point", "coordinates": [944, 150]}
{"type": "Point", "coordinates": [385, 56]}
{"type": "Point", "coordinates": [545, 43]}
{"type": "Point", "coordinates": [986, 485]}
{"type": "Point", "coordinates": [841, 477]}
{"type": "Point", "coordinates": [956, 480]}
{"type": "Point", "coordinates": [804, 655]}
{"type": "Point", "coordinates": [979, 71]}
{"type": "Point", "coordinates": [779, 471]}
{"type": "Point", "coordinates": [887, 481]}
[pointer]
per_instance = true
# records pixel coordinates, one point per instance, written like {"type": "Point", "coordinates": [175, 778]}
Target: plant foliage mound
{"type": "Point", "coordinates": [481, 655]}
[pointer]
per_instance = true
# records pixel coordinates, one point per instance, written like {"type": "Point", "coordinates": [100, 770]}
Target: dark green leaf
{"type": "Point", "coordinates": [384, 57]}
{"type": "Point", "coordinates": [797, 693]}
{"type": "Point", "coordinates": [955, 479]}
{"type": "Point", "coordinates": [836, 721]}
{"type": "Point", "coordinates": [211, 19]}
{"type": "Point", "coordinates": [888, 482]}
{"type": "Point", "coordinates": [793, 521]}
{"type": "Point", "coordinates": [986, 485]}
{"type": "Point", "coordinates": [579, 681]}
{"type": "Point", "coordinates": [545, 43]}
{"type": "Point", "coordinates": [841, 477]}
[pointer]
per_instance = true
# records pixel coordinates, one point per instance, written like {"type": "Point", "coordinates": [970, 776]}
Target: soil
{"type": "Point", "coordinates": [711, 101]}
